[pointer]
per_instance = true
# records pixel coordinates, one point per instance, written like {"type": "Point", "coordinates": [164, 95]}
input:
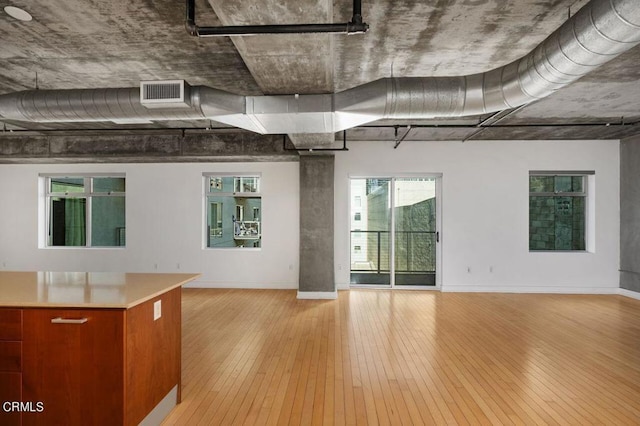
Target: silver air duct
{"type": "Point", "coordinates": [116, 105]}
{"type": "Point", "coordinates": [599, 32]}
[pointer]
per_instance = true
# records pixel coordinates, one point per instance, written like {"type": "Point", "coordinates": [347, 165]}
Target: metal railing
{"type": "Point", "coordinates": [409, 241]}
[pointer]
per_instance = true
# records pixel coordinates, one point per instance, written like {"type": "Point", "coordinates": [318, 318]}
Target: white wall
{"type": "Point", "coordinates": [485, 211]}
{"type": "Point", "coordinates": [484, 221]}
{"type": "Point", "coordinates": [165, 215]}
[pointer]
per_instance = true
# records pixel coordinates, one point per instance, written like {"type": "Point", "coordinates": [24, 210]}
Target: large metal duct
{"type": "Point", "coordinates": [115, 105]}
{"type": "Point", "coordinates": [599, 32]}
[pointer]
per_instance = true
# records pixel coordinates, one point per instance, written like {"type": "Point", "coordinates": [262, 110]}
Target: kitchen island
{"type": "Point", "coordinates": [80, 348]}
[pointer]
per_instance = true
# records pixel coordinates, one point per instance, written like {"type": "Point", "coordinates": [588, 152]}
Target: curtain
{"type": "Point", "coordinates": [75, 222]}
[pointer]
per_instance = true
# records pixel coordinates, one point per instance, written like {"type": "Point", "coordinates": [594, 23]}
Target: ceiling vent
{"type": "Point", "coordinates": [165, 94]}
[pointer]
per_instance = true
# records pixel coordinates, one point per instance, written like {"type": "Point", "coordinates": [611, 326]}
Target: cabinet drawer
{"type": "Point", "coordinates": [11, 357]}
{"type": "Point", "coordinates": [10, 324]}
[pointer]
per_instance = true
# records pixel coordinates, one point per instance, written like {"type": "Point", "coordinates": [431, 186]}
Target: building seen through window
{"type": "Point", "coordinates": [557, 212]}
{"type": "Point", "coordinates": [85, 211]}
{"type": "Point", "coordinates": [233, 211]}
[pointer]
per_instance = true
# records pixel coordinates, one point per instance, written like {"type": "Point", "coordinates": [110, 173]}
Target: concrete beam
{"type": "Point", "coordinates": [312, 140]}
{"type": "Point", "coordinates": [154, 147]}
{"type": "Point", "coordinates": [283, 64]}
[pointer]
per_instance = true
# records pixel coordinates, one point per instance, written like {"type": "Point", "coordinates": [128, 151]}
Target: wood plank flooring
{"type": "Point", "coordinates": [262, 357]}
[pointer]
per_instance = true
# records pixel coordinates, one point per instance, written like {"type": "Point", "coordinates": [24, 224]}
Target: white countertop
{"type": "Point", "coordinates": [84, 289]}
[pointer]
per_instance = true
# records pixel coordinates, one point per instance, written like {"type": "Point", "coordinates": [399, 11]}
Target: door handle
{"type": "Point", "coordinates": [69, 320]}
{"type": "Point", "coordinates": [437, 237]}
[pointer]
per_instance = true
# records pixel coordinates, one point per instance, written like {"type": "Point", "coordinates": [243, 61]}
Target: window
{"type": "Point", "coordinates": [557, 211]}
{"type": "Point", "coordinates": [233, 204]}
{"type": "Point", "coordinates": [357, 216]}
{"type": "Point", "coordinates": [85, 211]}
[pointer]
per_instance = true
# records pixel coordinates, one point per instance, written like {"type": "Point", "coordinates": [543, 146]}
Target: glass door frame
{"type": "Point", "coordinates": [392, 234]}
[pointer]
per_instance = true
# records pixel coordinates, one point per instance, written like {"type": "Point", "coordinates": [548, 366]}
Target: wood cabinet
{"type": "Point", "coordinates": [90, 366]}
{"type": "Point", "coordinates": [74, 366]}
{"type": "Point", "coordinates": [10, 364]}
{"type": "Point", "coordinates": [10, 391]}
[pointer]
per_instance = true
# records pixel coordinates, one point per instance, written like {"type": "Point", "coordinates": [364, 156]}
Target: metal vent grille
{"type": "Point", "coordinates": [164, 94]}
{"type": "Point", "coordinates": [162, 91]}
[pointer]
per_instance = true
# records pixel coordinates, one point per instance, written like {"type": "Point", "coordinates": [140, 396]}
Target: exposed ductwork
{"type": "Point", "coordinates": [599, 32]}
{"type": "Point", "coordinates": [115, 105]}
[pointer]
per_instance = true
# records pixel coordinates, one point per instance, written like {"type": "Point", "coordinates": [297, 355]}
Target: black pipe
{"type": "Point", "coordinates": [357, 12]}
{"type": "Point", "coordinates": [370, 126]}
{"type": "Point", "coordinates": [399, 141]}
{"type": "Point", "coordinates": [248, 30]}
{"type": "Point", "coordinates": [499, 126]}
{"type": "Point", "coordinates": [356, 26]}
{"type": "Point", "coordinates": [483, 125]}
{"type": "Point", "coordinates": [190, 23]}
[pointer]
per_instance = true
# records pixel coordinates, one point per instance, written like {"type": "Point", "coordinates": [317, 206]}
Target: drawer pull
{"type": "Point", "coordinates": [69, 321]}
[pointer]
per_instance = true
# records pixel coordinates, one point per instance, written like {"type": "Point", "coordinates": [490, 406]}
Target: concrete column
{"type": "Point", "coordinates": [316, 228]}
{"type": "Point", "coordinates": [630, 214]}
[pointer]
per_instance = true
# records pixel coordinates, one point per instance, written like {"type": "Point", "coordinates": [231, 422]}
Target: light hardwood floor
{"type": "Point", "coordinates": [408, 357]}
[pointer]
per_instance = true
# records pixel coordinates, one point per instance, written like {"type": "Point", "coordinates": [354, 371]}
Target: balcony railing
{"type": "Point", "coordinates": [415, 252]}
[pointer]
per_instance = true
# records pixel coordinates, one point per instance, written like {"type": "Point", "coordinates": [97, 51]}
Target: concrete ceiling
{"type": "Point", "coordinates": [118, 43]}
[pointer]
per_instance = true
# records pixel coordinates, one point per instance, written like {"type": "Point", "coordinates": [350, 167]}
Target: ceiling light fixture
{"type": "Point", "coordinates": [17, 13]}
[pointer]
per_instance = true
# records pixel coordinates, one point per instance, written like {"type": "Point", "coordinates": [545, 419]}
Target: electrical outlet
{"type": "Point", "coordinates": [157, 309]}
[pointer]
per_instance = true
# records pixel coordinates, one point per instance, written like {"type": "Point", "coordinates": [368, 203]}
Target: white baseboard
{"type": "Point", "coordinates": [529, 289]}
{"type": "Point", "coordinates": [629, 293]}
{"type": "Point", "coordinates": [317, 294]}
{"type": "Point", "coordinates": [251, 285]}
{"type": "Point", "coordinates": [449, 289]}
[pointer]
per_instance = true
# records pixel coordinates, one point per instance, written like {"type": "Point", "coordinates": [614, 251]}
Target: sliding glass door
{"type": "Point", "coordinates": [393, 231]}
{"type": "Point", "coordinates": [415, 231]}
{"type": "Point", "coordinates": [370, 226]}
